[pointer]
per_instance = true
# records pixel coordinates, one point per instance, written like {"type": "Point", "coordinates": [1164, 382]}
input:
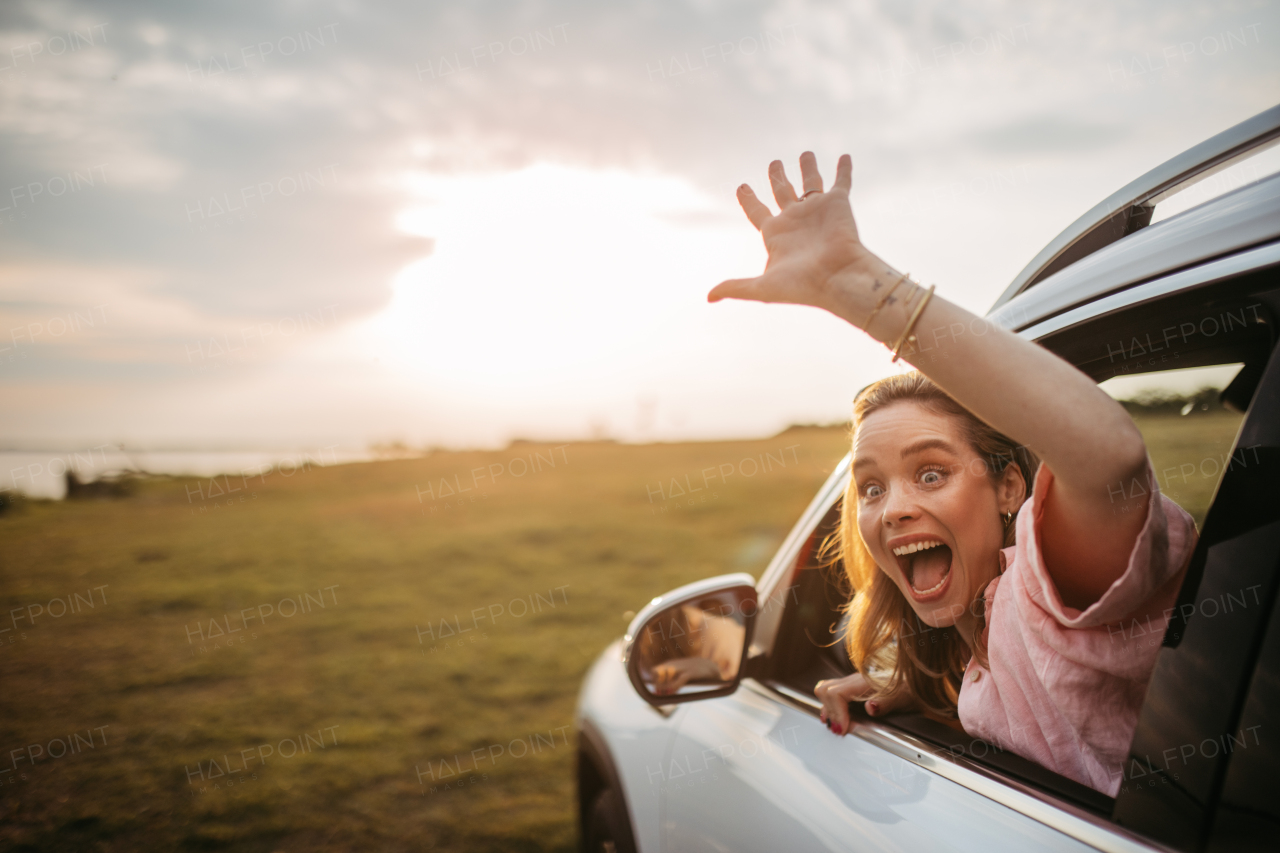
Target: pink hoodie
{"type": "Point", "coordinates": [1065, 686]}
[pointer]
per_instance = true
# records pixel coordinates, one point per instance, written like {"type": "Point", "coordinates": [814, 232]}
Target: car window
{"type": "Point", "coordinates": [1189, 432]}
{"type": "Point", "coordinates": [809, 647]}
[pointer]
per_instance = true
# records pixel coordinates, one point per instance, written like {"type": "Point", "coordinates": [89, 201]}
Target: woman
{"type": "Point", "coordinates": [991, 585]}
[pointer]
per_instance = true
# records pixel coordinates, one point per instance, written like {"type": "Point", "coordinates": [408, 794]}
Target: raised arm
{"type": "Point", "coordinates": [1092, 514]}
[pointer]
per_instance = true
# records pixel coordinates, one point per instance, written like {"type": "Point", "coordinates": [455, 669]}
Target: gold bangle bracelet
{"type": "Point", "coordinates": [866, 327]}
{"type": "Point", "coordinates": [915, 315]}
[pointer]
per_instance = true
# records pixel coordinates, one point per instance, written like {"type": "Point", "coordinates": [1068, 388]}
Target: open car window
{"type": "Point", "coordinates": [810, 647]}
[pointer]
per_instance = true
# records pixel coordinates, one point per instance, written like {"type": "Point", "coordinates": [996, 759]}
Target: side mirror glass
{"type": "Point", "coordinates": [692, 642]}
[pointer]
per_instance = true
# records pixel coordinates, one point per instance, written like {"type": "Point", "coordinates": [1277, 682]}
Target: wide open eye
{"type": "Point", "coordinates": [872, 491]}
{"type": "Point", "coordinates": [931, 477]}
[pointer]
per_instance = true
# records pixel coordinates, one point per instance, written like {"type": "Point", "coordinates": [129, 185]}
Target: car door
{"type": "Point", "coordinates": [757, 770]}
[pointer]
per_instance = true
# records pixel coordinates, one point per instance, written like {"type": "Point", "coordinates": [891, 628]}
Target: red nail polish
{"type": "Point", "coordinates": [839, 729]}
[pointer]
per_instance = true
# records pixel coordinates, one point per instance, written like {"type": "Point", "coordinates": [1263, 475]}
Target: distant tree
{"type": "Point", "coordinates": [1168, 403]}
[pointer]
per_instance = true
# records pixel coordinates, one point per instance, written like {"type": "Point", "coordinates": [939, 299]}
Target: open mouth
{"type": "Point", "coordinates": [926, 565]}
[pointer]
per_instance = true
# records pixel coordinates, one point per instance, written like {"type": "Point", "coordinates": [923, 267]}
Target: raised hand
{"type": "Point", "coordinates": [811, 241]}
{"type": "Point", "coordinates": [1021, 389]}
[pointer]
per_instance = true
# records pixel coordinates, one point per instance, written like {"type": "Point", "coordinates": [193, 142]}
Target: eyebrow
{"type": "Point", "coordinates": [918, 447]}
{"type": "Point", "coordinates": [927, 444]}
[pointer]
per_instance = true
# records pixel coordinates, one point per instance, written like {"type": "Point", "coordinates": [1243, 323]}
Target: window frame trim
{"type": "Point", "coordinates": [1243, 263]}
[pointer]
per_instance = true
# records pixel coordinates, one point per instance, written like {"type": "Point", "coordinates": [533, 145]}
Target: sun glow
{"type": "Point", "coordinates": [552, 277]}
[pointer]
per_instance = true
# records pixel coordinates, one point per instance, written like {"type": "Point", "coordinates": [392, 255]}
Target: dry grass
{"type": "Point", "coordinates": [599, 534]}
{"type": "Point", "coordinates": [586, 534]}
{"type": "Point", "coordinates": [1189, 454]}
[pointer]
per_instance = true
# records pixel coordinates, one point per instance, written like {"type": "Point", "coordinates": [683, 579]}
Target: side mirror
{"type": "Point", "coordinates": [692, 642]}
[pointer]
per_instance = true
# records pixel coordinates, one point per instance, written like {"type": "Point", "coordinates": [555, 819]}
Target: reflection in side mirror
{"type": "Point", "coordinates": [690, 643]}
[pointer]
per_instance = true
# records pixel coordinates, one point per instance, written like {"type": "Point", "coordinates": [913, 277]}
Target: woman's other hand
{"type": "Point", "coordinates": [669, 676]}
{"type": "Point", "coordinates": [811, 241]}
{"type": "Point", "coordinates": [835, 694]}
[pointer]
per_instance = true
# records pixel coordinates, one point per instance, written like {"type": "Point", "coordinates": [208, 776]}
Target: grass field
{"type": "Point", "coordinates": [285, 666]}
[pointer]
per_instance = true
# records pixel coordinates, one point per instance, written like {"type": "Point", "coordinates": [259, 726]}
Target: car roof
{"type": "Point", "coordinates": [1114, 246]}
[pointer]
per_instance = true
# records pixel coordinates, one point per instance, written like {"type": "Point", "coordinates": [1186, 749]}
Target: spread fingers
{"type": "Point", "coordinates": [809, 173]}
{"type": "Point", "coordinates": [844, 173]}
{"type": "Point", "coordinates": [783, 192]}
{"type": "Point", "coordinates": [753, 207]}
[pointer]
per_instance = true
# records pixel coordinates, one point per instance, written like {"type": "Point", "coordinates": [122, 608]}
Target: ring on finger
{"type": "Point", "coordinates": [809, 193]}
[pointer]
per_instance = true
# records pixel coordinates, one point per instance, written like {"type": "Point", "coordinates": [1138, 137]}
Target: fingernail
{"type": "Point", "coordinates": [839, 729]}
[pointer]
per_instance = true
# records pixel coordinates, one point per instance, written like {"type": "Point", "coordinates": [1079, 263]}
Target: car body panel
{"type": "Point", "coordinates": [1212, 272]}
{"type": "Point", "coordinates": [637, 736]}
{"type": "Point", "coordinates": [752, 772]}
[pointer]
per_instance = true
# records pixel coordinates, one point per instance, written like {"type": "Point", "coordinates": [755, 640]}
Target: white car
{"type": "Point", "coordinates": [732, 756]}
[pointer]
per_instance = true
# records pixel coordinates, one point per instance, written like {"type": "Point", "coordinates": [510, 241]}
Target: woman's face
{"type": "Point", "coordinates": [928, 511]}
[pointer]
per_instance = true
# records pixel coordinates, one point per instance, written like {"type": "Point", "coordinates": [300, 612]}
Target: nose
{"type": "Point", "coordinates": [900, 506]}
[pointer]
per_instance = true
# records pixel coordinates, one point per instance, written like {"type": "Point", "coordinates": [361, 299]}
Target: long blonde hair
{"type": "Point", "coordinates": [891, 646]}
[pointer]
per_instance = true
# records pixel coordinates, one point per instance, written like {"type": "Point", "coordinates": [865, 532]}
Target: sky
{"type": "Point", "coordinates": [290, 224]}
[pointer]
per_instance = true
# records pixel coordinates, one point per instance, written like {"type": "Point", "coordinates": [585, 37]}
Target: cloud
{"type": "Point", "coordinates": [254, 162]}
{"type": "Point", "coordinates": [1047, 134]}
